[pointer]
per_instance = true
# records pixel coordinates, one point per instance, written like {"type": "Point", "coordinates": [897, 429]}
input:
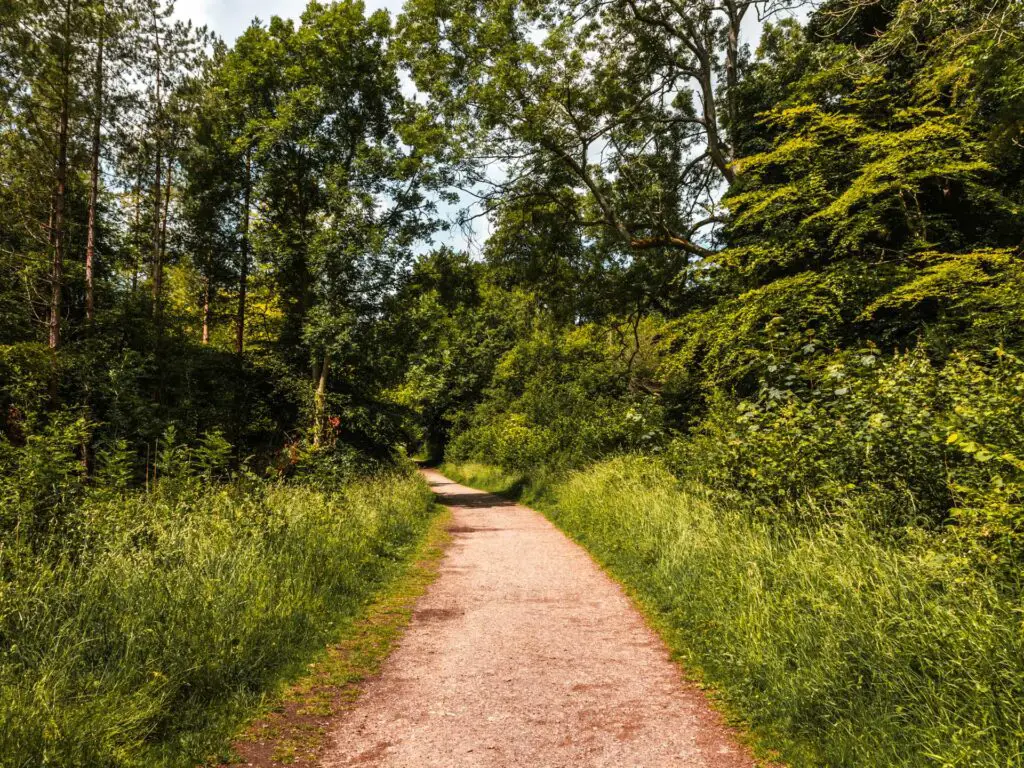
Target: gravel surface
{"type": "Point", "coordinates": [524, 653]}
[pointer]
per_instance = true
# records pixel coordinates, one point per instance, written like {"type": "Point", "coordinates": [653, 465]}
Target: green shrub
{"type": "Point", "coordinates": [818, 434]}
{"type": "Point", "coordinates": [563, 398]}
{"type": "Point", "coordinates": [898, 441]}
{"type": "Point", "coordinates": [43, 480]}
{"type": "Point", "coordinates": [985, 430]}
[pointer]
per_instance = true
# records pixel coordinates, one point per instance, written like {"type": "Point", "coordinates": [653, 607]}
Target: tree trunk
{"type": "Point", "coordinates": [157, 266]}
{"type": "Point", "coordinates": [167, 207]}
{"type": "Point", "coordinates": [243, 273]}
{"type": "Point", "coordinates": [320, 401]}
{"type": "Point", "coordinates": [163, 202]}
{"type": "Point", "coordinates": [137, 194]}
{"type": "Point", "coordinates": [94, 183]}
{"type": "Point", "coordinates": [732, 54]}
{"type": "Point", "coordinates": [717, 149]}
{"type": "Point", "coordinates": [57, 233]}
{"type": "Point", "coordinates": [206, 309]}
{"type": "Point", "coordinates": [157, 262]}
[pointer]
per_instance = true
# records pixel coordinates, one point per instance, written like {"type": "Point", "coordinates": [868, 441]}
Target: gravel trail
{"type": "Point", "coordinates": [524, 653]}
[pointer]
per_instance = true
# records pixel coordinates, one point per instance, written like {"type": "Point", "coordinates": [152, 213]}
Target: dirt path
{"type": "Point", "coordinates": [523, 653]}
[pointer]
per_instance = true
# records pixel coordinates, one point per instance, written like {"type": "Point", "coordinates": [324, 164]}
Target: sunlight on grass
{"type": "Point", "coordinates": [146, 646]}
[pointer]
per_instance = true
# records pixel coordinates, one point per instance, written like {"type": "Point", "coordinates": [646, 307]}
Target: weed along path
{"type": "Point", "coordinates": [524, 653]}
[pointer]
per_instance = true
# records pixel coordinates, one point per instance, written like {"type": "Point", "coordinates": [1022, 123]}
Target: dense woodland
{"type": "Point", "coordinates": [780, 285]}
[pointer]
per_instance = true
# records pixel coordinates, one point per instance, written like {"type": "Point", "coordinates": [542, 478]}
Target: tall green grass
{"type": "Point", "coordinates": [837, 649]}
{"type": "Point", "coordinates": [144, 642]}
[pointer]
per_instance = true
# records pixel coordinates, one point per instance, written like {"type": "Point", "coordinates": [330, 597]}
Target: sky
{"type": "Point", "coordinates": [229, 18]}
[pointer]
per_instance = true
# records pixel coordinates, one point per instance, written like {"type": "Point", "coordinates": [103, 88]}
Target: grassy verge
{"type": "Point", "coordinates": [537, 489]}
{"type": "Point", "coordinates": [293, 730]}
{"type": "Point", "coordinates": [836, 649]}
{"type": "Point", "coordinates": [487, 477]}
{"type": "Point", "coordinates": [147, 643]}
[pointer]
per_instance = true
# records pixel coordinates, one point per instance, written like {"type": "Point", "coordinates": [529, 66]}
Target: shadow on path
{"type": "Point", "coordinates": [454, 495]}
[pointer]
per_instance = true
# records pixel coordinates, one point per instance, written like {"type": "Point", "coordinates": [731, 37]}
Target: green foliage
{"type": "Point", "coordinates": [973, 299]}
{"type": "Point", "coordinates": [115, 471]}
{"type": "Point", "coordinates": [874, 171]}
{"type": "Point", "coordinates": [212, 455]}
{"type": "Point", "coordinates": [730, 344]}
{"type": "Point", "coordinates": [986, 431]}
{"type": "Point", "coordinates": [43, 481]}
{"type": "Point", "coordinates": [452, 326]}
{"type": "Point", "coordinates": [252, 209]}
{"type": "Point", "coordinates": [25, 372]}
{"type": "Point", "coordinates": [891, 442]}
{"type": "Point", "coordinates": [563, 397]}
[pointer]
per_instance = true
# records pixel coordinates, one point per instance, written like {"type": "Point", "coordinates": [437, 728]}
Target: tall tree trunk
{"type": "Point", "coordinates": [206, 309]}
{"type": "Point", "coordinates": [320, 400]}
{"type": "Point", "coordinates": [137, 194]}
{"type": "Point", "coordinates": [94, 183]}
{"type": "Point", "coordinates": [243, 273]}
{"type": "Point", "coordinates": [718, 151]}
{"type": "Point", "coordinates": [167, 207]}
{"type": "Point", "coordinates": [735, 14]}
{"type": "Point", "coordinates": [157, 285]}
{"type": "Point", "coordinates": [162, 209]}
{"type": "Point", "coordinates": [57, 233]}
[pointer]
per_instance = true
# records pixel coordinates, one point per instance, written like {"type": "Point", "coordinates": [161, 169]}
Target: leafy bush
{"type": "Point", "coordinates": [43, 480]}
{"type": "Point", "coordinates": [563, 398]}
{"type": "Point", "coordinates": [899, 441]}
{"type": "Point", "coordinates": [985, 430]}
{"type": "Point", "coordinates": [825, 430]}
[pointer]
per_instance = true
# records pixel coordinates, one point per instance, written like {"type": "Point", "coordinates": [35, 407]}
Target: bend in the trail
{"type": "Point", "coordinates": [524, 653]}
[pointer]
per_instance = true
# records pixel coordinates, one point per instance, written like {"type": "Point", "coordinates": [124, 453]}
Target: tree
{"type": "Point", "coordinates": [449, 325]}
{"type": "Point", "coordinates": [48, 42]}
{"type": "Point", "coordinates": [341, 200]}
{"type": "Point", "coordinates": [247, 85]}
{"type": "Point", "coordinates": [171, 55]}
{"type": "Point", "coordinates": [112, 36]}
{"type": "Point", "coordinates": [874, 156]}
{"type": "Point", "coordinates": [210, 190]}
{"type": "Point", "coordinates": [594, 98]}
